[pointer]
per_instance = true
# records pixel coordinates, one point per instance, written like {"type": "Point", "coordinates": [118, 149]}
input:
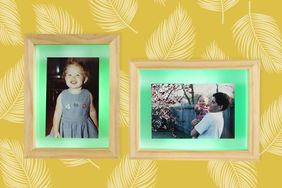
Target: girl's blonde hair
{"type": "Point", "coordinates": [75, 62]}
{"type": "Point", "coordinates": [204, 97]}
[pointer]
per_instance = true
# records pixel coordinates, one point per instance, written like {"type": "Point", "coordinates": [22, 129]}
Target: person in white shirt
{"type": "Point", "coordinates": [211, 126]}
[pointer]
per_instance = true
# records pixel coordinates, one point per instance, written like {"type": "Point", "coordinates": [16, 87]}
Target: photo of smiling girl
{"type": "Point", "coordinates": [75, 115]}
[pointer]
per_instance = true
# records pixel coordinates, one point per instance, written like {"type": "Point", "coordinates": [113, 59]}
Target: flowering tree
{"type": "Point", "coordinates": [164, 96]}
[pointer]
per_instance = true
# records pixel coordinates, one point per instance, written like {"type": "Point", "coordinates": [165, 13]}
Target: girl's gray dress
{"type": "Point", "coordinates": [75, 121]}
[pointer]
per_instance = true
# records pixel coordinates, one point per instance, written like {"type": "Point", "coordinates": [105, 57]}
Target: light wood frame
{"type": "Point", "coordinates": [254, 109]}
{"type": "Point", "coordinates": [30, 148]}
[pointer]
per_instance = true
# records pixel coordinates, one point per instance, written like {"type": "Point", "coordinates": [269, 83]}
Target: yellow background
{"type": "Point", "coordinates": [149, 16]}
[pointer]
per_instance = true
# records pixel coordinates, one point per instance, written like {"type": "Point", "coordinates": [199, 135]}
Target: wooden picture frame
{"type": "Point", "coordinates": [244, 74]}
{"type": "Point", "coordinates": [101, 50]}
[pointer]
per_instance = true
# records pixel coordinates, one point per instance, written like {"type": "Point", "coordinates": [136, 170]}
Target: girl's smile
{"type": "Point", "coordinates": [203, 102]}
{"type": "Point", "coordinates": [73, 82]}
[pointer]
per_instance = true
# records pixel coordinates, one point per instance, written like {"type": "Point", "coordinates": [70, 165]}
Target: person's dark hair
{"type": "Point", "coordinates": [222, 99]}
{"type": "Point", "coordinates": [74, 61]}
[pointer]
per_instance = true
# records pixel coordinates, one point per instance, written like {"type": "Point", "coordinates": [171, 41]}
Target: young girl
{"type": "Point", "coordinates": [201, 109]}
{"type": "Point", "coordinates": [75, 115]}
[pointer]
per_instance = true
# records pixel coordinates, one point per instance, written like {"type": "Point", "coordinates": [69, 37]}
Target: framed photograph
{"type": "Point", "coordinates": [71, 96]}
{"type": "Point", "coordinates": [194, 110]}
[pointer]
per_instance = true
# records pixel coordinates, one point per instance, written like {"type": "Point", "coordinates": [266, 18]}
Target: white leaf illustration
{"type": "Point", "coordinates": [114, 15]}
{"type": "Point", "coordinates": [78, 162]}
{"type": "Point", "coordinates": [231, 174]}
{"type": "Point", "coordinates": [12, 94]}
{"type": "Point", "coordinates": [133, 173]}
{"type": "Point", "coordinates": [258, 37]}
{"type": "Point", "coordinates": [218, 6]}
{"type": "Point", "coordinates": [161, 2]}
{"type": "Point", "coordinates": [124, 98]}
{"type": "Point", "coordinates": [271, 128]}
{"type": "Point", "coordinates": [20, 172]}
{"type": "Point", "coordinates": [213, 52]}
{"type": "Point", "coordinates": [10, 32]}
{"type": "Point", "coordinates": [53, 20]}
{"type": "Point", "coordinates": [173, 39]}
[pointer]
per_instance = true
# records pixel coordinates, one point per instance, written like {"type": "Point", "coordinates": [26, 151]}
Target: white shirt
{"type": "Point", "coordinates": [211, 126]}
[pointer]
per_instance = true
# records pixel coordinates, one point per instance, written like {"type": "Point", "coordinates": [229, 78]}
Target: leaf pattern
{"type": "Point", "coordinates": [124, 98]}
{"type": "Point", "coordinates": [53, 20]}
{"type": "Point", "coordinates": [78, 162]}
{"type": "Point", "coordinates": [258, 37]}
{"type": "Point", "coordinates": [12, 94]}
{"type": "Point", "coordinates": [161, 2]}
{"type": "Point", "coordinates": [218, 6]}
{"type": "Point", "coordinates": [271, 128]}
{"type": "Point", "coordinates": [20, 172]}
{"type": "Point", "coordinates": [10, 32]}
{"type": "Point", "coordinates": [133, 173]}
{"type": "Point", "coordinates": [114, 15]}
{"type": "Point", "coordinates": [231, 174]}
{"type": "Point", "coordinates": [173, 39]}
{"type": "Point", "coordinates": [213, 52]}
